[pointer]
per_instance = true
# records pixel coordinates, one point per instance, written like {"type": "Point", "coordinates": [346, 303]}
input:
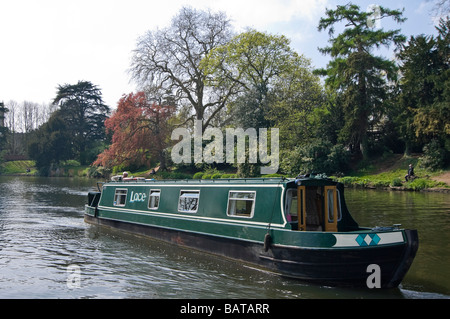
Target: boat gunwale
{"type": "Point", "coordinates": [275, 245]}
{"type": "Point", "coordinates": [268, 228]}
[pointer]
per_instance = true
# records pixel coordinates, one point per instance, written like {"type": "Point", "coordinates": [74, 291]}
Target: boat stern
{"type": "Point", "coordinates": [348, 258]}
{"type": "Point", "coordinates": [411, 247]}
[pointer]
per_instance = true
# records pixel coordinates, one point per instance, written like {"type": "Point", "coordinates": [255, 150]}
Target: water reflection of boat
{"type": "Point", "coordinates": [299, 227]}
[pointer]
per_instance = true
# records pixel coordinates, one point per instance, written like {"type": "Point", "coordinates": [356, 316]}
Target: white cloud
{"type": "Point", "coordinates": [261, 13]}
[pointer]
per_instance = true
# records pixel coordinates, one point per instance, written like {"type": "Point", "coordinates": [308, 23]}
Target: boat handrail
{"type": "Point", "coordinates": [99, 186]}
{"type": "Point", "coordinates": [206, 181]}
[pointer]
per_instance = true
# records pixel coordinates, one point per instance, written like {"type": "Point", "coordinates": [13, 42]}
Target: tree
{"type": "Point", "coordinates": [418, 67]}
{"type": "Point", "coordinates": [169, 59]}
{"type": "Point", "coordinates": [317, 156]}
{"type": "Point", "coordinates": [3, 129]}
{"type": "Point", "coordinates": [22, 119]}
{"type": "Point", "coordinates": [250, 64]}
{"type": "Point", "coordinates": [355, 72]}
{"type": "Point", "coordinates": [51, 143]}
{"type": "Point", "coordinates": [84, 112]}
{"type": "Point", "coordinates": [424, 97]}
{"type": "Point", "coordinates": [140, 130]}
{"type": "Point", "coordinates": [275, 86]}
{"type": "Point", "coordinates": [296, 104]}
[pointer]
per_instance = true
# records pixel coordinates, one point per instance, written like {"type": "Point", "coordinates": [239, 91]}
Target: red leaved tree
{"type": "Point", "coordinates": [140, 130]}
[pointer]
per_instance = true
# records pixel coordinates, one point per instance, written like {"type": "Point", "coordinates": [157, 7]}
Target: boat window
{"type": "Point", "coordinates": [153, 201]}
{"type": "Point", "coordinates": [188, 201]}
{"type": "Point", "coordinates": [339, 212]}
{"type": "Point", "coordinates": [291, 205]}
{"type": "Point", "coordinates": [120, 197]}
{"type": "Point", "coordinates": [331, 205]}
{"type": "Point", "coordinates": [241, 203]}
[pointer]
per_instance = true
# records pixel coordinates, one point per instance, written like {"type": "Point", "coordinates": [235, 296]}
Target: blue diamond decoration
{"type": "Point", "coordinates": [363, 239]}
{"type": "Point", "coordinates": [360, 240]}
{"type": "Point", "coordinates": [375, 239]}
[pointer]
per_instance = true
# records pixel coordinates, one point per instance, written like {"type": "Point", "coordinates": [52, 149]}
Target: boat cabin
{"type": "Point", "coordinates": [315, 205]}
{"type": "Point", "coordinates": [301, 204]}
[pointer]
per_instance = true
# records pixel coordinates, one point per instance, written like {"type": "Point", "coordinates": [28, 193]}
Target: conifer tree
{"type": "Point", "coordinates": [357, 75]}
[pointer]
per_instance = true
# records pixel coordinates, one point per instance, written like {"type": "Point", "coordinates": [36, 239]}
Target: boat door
{"type": "Point", "coordinates": [301, 207]}
{"type": "Point", "coordinates": [318, 208]}
{"type": "Point", "coordinates": [331, 208]}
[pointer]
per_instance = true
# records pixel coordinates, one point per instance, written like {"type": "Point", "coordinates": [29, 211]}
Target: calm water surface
{"type": "Point", "coordinates": [43, 236]}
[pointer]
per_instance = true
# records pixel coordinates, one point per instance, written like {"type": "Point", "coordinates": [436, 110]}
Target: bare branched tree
{"type": "Point", "coordinates": [169, 59]}
{"type": "Point", "coordinates": [441, 9]}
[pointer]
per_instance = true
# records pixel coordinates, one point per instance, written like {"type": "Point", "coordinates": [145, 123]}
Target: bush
{"type": "Point", "coordinates": [319, 156]}
{"type": "Point", "coordinates": [198, 175]}
{"type": "Point", "coordinates": [380, 183]}
{"type": "Point", "coordinates": [348, 180]}
{"type": "Point", "coordinates": [338, 159]}
{"type": "Point", "coordinates": [215, 176]}
{"type": "Point", "coordinates": [396, 182]}
{"type": "Point", "coordinates": [174, 175]}
{"type": "Point", "coordinates": [434, 156]}
{"type": "Point", "coordinates": [228, 176]}
{"type": "Point", "coordinates": [418, 184]}
{"type": "Point", "coordinates": [248, 170]}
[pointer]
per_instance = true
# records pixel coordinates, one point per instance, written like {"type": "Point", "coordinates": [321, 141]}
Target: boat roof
{"type": "Point", "coordinates": [270, 180]}
{"type": "Point", "coordinates": [301, 180]}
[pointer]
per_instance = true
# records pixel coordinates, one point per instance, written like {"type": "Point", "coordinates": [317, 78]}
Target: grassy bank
{"type": "Point", "coordinates": [385, 173]}
{"type": "Point", "coordinates": [28, 168]}
{"type": "Point", "coordinates": [18, 168]}
{"type": "Point", "coordinates": [389, 172]}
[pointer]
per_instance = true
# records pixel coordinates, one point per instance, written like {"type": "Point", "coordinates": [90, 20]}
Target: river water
{"type": "Point", "coordinates": [47, 251]}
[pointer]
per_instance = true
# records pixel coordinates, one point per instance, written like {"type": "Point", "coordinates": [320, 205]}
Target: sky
{"type": "Point", "coordinates": [46, 43]}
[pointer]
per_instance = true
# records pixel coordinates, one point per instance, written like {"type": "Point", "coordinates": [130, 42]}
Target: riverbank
{"type": "Point", "coordinates": [386, 173]}
{"type": "Point", "coordinates": [389, 173]}
{"type": "Point", "coordinates": [28, 168]}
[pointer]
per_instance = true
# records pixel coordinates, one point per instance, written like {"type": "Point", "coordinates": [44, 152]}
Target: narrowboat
{"type": "Point", "coordinates": [298, 227]}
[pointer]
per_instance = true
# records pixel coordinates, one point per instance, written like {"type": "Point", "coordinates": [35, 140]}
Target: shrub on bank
{"type": "Point", "coordinates": [433, 156]}
{"type": "Point", "coordinates": [348, 180]}
{"type": "Point", "coordinates": [396, 182]}
{"type": "Point", "coordinates": [228, 176]}
{"type": "Point", "coordinates": [174, 175]}
{"type": "Point", "coordinates": [198, 175]}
